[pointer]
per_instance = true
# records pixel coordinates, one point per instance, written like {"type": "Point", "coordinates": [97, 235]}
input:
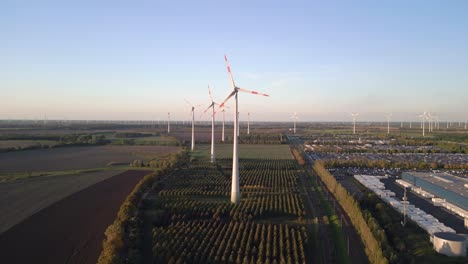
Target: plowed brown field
{"type": "Point", "coordinates": [71, 230]}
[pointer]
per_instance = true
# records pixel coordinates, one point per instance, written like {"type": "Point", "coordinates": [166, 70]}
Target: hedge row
{"type": "Point", "coordinates": [117, 241]}
{"type": "Point", "coordinates": [352, 208]}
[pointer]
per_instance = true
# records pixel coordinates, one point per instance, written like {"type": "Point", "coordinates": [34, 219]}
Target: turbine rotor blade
{"type": "Point", "coordinates": [188, 103]}
{"type": "Point", "coordinates": [230, 74]}
{"type": "Point", "coordinates": [209, 93]}
{"type": "Point", "coordinates": [212, 104]}
{"type": "Point", "coordinates": [230, 95]}
{"type": "Point", "coordinates": [252, 92]}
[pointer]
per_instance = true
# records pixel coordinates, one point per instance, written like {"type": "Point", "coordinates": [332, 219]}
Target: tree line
{"type": "Point", "coordinates": [121, 237]}
{"type": "Point", "coordinates": [351, 206]}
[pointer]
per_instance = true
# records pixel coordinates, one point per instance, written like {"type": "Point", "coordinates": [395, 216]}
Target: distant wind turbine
{"type": "Point", "coordinates": [423, 116]}
{"type": "Point", "coordinates": [388, 116]}
{"type": "Point", "coordinates": [235, 188]}
{"type": "Point", "coordinates": [212, 106]}
{"type": "Point", "coordinates": [248, 123]}
{"type": "Point", "coordinates": [294, 117]}
{"type": "Point", "coordinates": [224, 111]}
{"type": "Point", "coordinates": [354, 115]}
{"type": "Point", "coordinates": [193, 123]}
{"type": "Point", "coordinates": [429, 119]}
{"type": "Point", "coordinates": [168, 123]}
{"type": "Point", "coordinates": [222, 134]}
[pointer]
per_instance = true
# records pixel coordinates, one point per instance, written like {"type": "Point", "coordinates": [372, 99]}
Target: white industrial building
{"type": "Point", "coordinates": [444, 238]}
{"type": "Point", "coordinates": [437, 201]}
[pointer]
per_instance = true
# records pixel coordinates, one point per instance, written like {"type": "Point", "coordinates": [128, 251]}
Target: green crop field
{"type": "Point", "coordinates": [156, 140]}
{"type": "Point", "coordinates": [246, 151]}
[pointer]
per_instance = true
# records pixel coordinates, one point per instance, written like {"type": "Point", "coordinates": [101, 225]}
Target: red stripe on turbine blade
{"type": "Point", "coordinates": [229, 69]}
{"type": "Point", "coordinates": [254, 92]}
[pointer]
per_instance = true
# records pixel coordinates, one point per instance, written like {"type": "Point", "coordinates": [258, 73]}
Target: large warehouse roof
{"type": "Point", "coordinates": [446, 181]}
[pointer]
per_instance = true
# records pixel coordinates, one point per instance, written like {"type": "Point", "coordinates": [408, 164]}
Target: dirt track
{"type": "Point", "coordinates": [71, 230]}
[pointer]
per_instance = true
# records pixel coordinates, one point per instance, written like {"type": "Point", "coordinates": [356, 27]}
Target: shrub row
{"type": "Point", "coordinates": [117, 240]}
{"type": "Point", "coordinates": [352, 208]}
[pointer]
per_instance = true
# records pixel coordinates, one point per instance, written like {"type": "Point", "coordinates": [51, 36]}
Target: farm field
{"type": "Point", "coordinates": [75, 158]}
{"type": "Point", "coordinates": [197, 222]}
{"type": "Point", "coordinates": [23, 198]}
{"type": "Point", "coordinates": [246, 151]}
{"type": "Point", "coordinates": [71, 230]}
{"type": "Point", "coordinates": [18, 144]}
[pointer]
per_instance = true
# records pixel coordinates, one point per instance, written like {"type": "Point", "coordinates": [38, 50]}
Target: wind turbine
{"type": "Point", "coordinates": [212, 106]}
{"type": "Point", "coordinates": [429, 118]}
{"type": "Point", "coordinates": [168, 122]}
{"type": "Point", "coordinates": [224, 111]}
{"type": "Point", "coordinates": [222, 135]}
{"type": "Point", "coordinates": [235, 189]}
{"type": "Point", "coordinates": [354, 115]}
{"type": "Point", "coordinates": [294, 117]}
{"type": "Point", "coordinates": [193, 122]}
{"type": "Point", "coordinates": [388, 115]}
{"type": "Point", "coordinates": [248, 123]}
{"type": "Point", "coordinates": [423, 116]}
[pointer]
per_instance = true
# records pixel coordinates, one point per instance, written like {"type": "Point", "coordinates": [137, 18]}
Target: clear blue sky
{"type": "Point", "coordinates": [139, 59]}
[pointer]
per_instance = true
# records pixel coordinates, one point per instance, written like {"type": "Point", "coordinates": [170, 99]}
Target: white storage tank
{"type": "Point", "coordinates": [449, 244]}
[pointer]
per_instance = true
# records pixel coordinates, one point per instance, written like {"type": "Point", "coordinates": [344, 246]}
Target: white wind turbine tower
{"type": "Point", "coordinates": [354, 115]}
{"type": "Point", "coordinates": [248, 123]}
{"type": "Point", "coordinates": [222, 135]}
{"type": "Point", "coordinates": [238, 126]}
{"type": "Point", "coordinates": [224, 119]}
{"type": "Point", "coordinates": [212, 106]}
{"type": "Point", "coordinates": [436, 122]}
{"type": "Point", "coordinates": [294, 117]}
{"type": "Point", "coordinates": [193, 123]}
{"type": "Point", "coordinates": [168, 122]}
{"type": "Point", "coordinates": [388, 115]}
{"type": "Point", "coordinates": [235, 188]}
{"type": "Point", "coordinates": [429, 119]}
{"type": "Point", "coordinates": [423, 116]}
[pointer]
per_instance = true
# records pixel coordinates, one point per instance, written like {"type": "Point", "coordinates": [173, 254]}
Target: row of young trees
{"type": "Point", "coordinates": [269, 191]}
{"type": "Point", "coordinates": [407, 165]}
{"type": "Point", "coordinates": [262, 138]}
{"type": "Point", "coordinates": [58, 141]}
{"type": "Point", "coordinates": [353, 210]}
{"type": "Point", "coordinates": [200, 225]}
{"type": "Point", "coordinates": [228, 242]}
